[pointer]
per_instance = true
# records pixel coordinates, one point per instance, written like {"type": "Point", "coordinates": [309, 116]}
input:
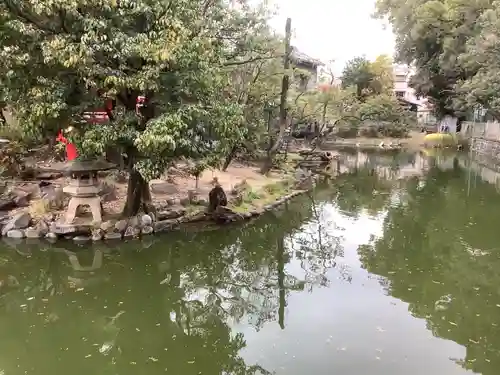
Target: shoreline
{"type": "Point", "coordinates": [245, 202]}
{"type": "Point", "coordinates": [414, 142]}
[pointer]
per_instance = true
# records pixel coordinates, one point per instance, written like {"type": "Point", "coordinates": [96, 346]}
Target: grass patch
{"type": "Point", "coordinates": [39, 207]}
{"type": "Point", "coordinates": [269, 193]}
{"type": "Point", "coordinates": [250, 196]}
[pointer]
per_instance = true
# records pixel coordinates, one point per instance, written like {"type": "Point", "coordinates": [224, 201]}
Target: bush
{"type": "Point", "coordinates": [370, 132]}
{"type": "Point", "coordinates": [11, 159]}
{"type": "Point", "coordinates": [347, 131]}
{"type": "Point", "coordinates": [394, 130]}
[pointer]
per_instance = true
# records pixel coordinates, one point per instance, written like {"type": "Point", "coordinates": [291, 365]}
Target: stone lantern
{"type": "Point", "coordinates": [83, 187]}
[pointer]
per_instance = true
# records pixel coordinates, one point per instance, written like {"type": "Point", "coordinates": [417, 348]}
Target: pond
{"type": "Point", "coordinates": [390, 269]}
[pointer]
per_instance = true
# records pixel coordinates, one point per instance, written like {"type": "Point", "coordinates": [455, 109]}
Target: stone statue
{"type": "Point", "coordinates": [217, 197]}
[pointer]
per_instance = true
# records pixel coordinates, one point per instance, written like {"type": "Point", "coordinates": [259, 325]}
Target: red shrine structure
{"type": "Point", "coordinates": [99, 116]}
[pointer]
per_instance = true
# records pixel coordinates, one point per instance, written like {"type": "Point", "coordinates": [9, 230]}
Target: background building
{"type": "Point", "coordinates": [402, 90]}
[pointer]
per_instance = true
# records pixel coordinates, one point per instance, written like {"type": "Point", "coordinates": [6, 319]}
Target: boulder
{"type": "Point", "coordinates": [134, 221]}
{"type": "Point", "coordinates": [51, 236]}
{"type": "Point", "coordinates": [147, 230]}
{"type": "Point", "coordinates": [223, 215]}
{"type": "Point", "coordinates": [61, 229]}
{"type": "Point", "coordinates": [42, 227]}
{"type": "Point", "coordinates": [163, 187]}
{"type": "Point", "coordinates": [146, 220]}
{"type": "Point", "coordinates": [184, 202]}
{"type": "Point", "coordinates": [193, 196]}
{"type": "Point", "coordinates": [113, 236]}
{"type": "Point", "coordinates": [15, 233]}
{"type": "Point", "coordinates": [54, 195]}
{"type": "Point", "coordinates": [32, 233]}
{"type": "Point", "coordinates": [132, 232]}
{"type": "Point", "coordinates": [121, 225]}
{"type": "Point", "coordinates": [165, 225]}
{"type": "Point", "coordinates": [80, 239]}
{"type": "Point", "coordinates": [168, 214]}
{"type": "Point", "coordinates": [20, 220]}
{"type": "Point", "coordinates": [22, 198]}
{"type": "Point", "coordinates": [7, 203]}
{"type": "Point", "coordinates": [97, 234]}
{"type": "Point", "coordinates": [107, 226]}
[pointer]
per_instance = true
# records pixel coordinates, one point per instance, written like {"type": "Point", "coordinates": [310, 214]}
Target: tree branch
{"type": "Point", "coordinates": [253, 59]}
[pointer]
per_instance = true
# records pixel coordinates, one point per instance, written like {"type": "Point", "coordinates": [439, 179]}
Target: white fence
{"type": "Point", "coordinates": [487, 130]}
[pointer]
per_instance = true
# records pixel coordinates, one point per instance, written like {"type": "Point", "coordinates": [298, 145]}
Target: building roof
{"type": "Point", "coordinates": [301, 57]}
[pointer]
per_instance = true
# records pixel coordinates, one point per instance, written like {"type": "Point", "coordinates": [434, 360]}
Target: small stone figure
{"type": "Point", "coordinates": [217, 197]}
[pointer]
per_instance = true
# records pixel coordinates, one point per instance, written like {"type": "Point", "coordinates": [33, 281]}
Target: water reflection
{"type": "Point", "coordinates": [439, 252]}
{"type": "Point", "coordinates": [367, 275]}
{"type": "Point", "coordinates": [167, 307]}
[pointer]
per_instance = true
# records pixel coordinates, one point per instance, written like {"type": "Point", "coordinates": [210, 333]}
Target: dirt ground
{"type": "Point", "coordinates": [176, 184]}
{"type": "Point", "coordinates": [173, 185]}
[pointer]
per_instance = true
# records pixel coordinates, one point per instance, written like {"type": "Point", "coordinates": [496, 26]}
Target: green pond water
{"type": "Point", "coordinates": [393, 268]}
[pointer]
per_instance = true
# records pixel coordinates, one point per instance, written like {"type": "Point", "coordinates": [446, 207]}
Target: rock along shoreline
{"type": "Point", "coordinates": [22, 226]}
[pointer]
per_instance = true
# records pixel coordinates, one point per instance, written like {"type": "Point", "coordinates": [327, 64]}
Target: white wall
{"type": "Point", "coordinates": [402, 76]}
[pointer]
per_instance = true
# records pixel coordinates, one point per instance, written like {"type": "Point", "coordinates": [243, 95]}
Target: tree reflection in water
{"type": "Point", "coordinates": [438, 252]}
{"type": "Point", "coordinates": [169, 306]}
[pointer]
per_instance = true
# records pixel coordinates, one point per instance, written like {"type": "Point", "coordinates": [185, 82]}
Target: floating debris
{"type": "Point", "coordinates": [106, 348]}
{"type": "Point", "coordinates": [442, 303]}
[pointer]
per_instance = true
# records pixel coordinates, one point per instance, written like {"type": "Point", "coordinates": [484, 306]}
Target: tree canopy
{"type": "Point", "coordinates": [369, 77]}
{"type": "Point", "coordinates": [451, 45]}
{"type": "Point", "coordinates": [61, 59]}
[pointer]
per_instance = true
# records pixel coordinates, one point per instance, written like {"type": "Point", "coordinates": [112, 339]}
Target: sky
{"type": "Point", "coordinates": [334, 29]}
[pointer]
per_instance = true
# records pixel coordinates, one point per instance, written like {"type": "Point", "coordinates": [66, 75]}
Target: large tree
{"type": "Point", "coordinates": [369, 77]}
{"type": "Point", "coordinates": [481, 57]}
{"type": "Point", "coordinates": [357, 73]}
{"type": "Point", "coordinates": [256, 85]}
{"type": "Point", "coordinates": [431, 35]}
{"type": "Point", "coordinates": [61, 58]}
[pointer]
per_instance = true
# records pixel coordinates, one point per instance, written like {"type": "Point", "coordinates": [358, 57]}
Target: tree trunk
{"type": "Point", "coordinates": [138, 195]}
{"type": "Point", "coordinates": [285, 84]}
{"type": "Point", "coordinates": [229, 158]}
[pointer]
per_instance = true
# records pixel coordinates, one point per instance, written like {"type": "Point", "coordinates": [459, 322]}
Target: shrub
{"type": "Point", "coordinates": [370, 132]}
{"type": "Point", "coordinates": [347, 131]}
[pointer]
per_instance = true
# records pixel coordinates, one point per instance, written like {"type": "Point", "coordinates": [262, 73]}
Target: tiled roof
{"type": "Point", "coordinates": [301, 57]}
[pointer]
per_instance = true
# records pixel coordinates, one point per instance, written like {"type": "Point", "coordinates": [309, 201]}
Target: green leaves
{"type": "Point", "coordinates": [446, 41]}
{"type": "Point", "coordinates": [64, 57]}
{"type": "Point", "coordinates": [369, 78]}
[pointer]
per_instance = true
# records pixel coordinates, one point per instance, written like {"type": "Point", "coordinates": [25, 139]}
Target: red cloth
{"type": "Point", "coordinates": [71, 151]}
